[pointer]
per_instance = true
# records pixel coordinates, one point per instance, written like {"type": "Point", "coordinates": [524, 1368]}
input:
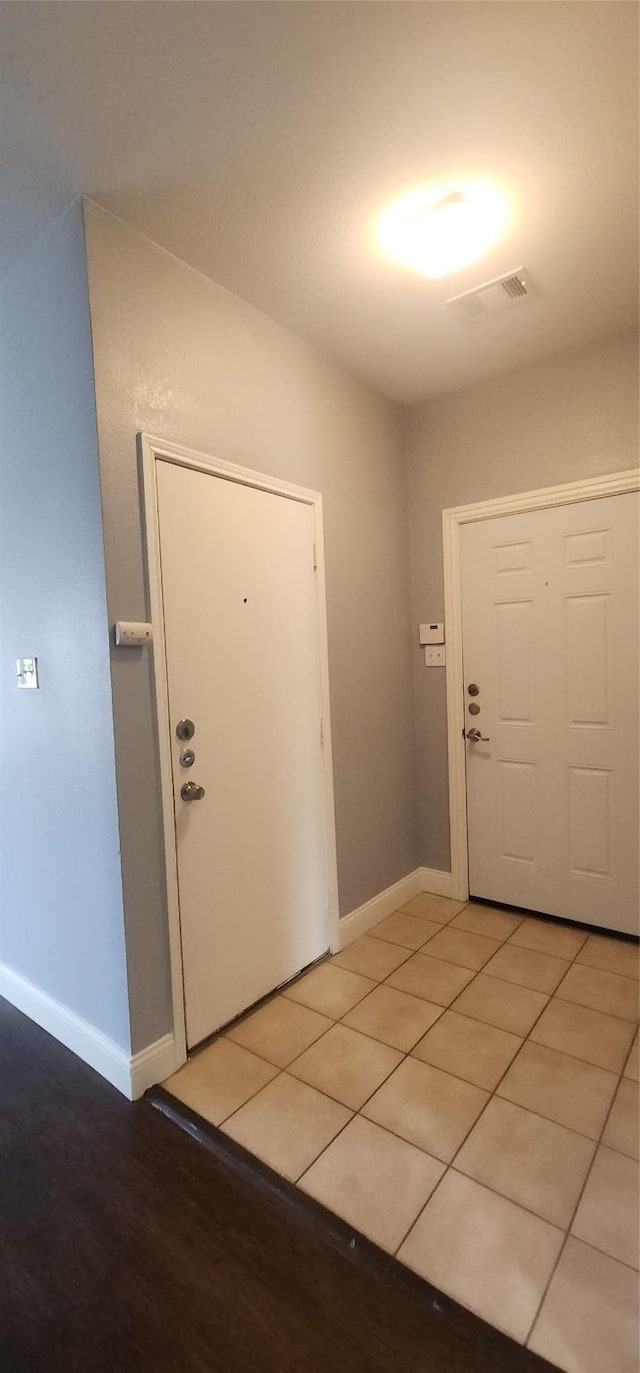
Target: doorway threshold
{"type": "Point", "coordinates": [461, 1341]}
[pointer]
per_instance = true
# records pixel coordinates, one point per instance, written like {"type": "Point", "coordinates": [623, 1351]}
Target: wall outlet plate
{"type": "Point", "coordinates": [435, 655]}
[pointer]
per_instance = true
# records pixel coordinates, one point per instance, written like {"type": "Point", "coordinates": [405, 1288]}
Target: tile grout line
{"type": "Point", "coordinates": [358, 1110]}
{"type": "Point", "coordinates": [407, 1054]}
{"type": "Point", "coordinates": [283, 1067]}
{"type": "Point", "coordinates": [491, 1097]}
{"type": "Point", "coordinates": [451, 1162]}
{"type": "Point", "coordinates": [278, 1073]}
{"type": "Point", "coordinates": [280, 1070]}
{"type": "Point", "coordinates": [577, 1205]}
{"type": "Point", "coordinates": [451, 1165]}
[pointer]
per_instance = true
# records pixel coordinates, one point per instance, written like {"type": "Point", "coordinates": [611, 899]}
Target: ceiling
{"type": "Point", "coordinates": [258, 142]}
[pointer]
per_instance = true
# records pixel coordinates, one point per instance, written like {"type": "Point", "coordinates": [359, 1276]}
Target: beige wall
{"type": "Point", "coordinates": [574, 415]}
{"type": "Point", "coordinates": [179, 357]}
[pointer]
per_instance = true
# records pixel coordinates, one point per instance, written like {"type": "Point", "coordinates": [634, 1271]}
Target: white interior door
{"type": "Point", "coordinates": [242, 647]}
{"type": "Point", "coordinates": [550, 639]}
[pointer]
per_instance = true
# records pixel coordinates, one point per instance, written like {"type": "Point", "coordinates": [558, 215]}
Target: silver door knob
{"type": "Point", "coordinates": [475, 736]}
{"type": "Point", "coordinates": [190, 791]}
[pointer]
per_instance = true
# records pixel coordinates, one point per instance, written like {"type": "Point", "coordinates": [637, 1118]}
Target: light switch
{"type": "Point", "coordinates": [434, 655]}
{"type": "Point", "coordinates": [27, 672]}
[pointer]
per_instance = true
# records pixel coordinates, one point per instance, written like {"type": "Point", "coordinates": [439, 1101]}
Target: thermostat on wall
{"type": "Point", "coordinates": [133, 633]}
{"type": "Point", "coordinates": [431, 634]}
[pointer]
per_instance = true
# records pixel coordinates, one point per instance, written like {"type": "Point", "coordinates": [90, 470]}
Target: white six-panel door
{"type": "Point", "coordinates": [242, 651]}
{"type": "Point", "coordinates": [550, 638]}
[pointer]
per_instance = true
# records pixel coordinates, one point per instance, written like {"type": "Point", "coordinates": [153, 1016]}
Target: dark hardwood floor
{"type": "Point", "coordinates": [126, 1244]}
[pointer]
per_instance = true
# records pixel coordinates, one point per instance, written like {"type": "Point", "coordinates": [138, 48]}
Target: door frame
{"type": "Point", "coordinates": [152, 451]}
{"type": "Point", "coordinates": [453, 519]}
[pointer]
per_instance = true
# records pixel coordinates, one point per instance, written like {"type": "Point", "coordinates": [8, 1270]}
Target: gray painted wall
{"type": "Point", "coordinates": [574, 415]}
{"type": "Point", "coordinates": [61, 922]}
{"type": "Point", "coordinates": [179, 357]}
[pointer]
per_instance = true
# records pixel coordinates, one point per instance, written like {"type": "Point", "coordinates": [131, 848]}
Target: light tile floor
{"type": "Point", "coordinates": [461, 1086]}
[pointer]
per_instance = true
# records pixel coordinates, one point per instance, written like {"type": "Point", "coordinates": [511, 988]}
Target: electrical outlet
{"type": "Point", "coordinates": [435, 655]}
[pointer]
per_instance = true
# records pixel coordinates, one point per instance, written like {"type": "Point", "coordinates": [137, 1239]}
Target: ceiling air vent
{"type": "Point", "coordinates": [494, 297]}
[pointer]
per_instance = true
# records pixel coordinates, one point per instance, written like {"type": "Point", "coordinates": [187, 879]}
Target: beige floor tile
{"type": "Point", "coordinates": [611, 955]}
{"type": "Point", "coordinates": [287, 1125]}
{"type": "Point", "coordinates": [346, 1065]}
{"type": "Point", "coordinates": [407, 930]}
{"type": "Point", "coordinates": [428, 907]}
{"type": "Point", "coordinates": [632, 1066]}
{"type": "Point", "coordinates": [487, 920]}
{"type": "Point", "coordinates": [528, 968]}
{"type": "Point", "coordinates": [430, 978]}
{"type": "Point", "coordinates": [369, 957]}
{"type": "Point", "coordinates": [548, 937]}
{"type": "Point", "coordinates": [330, 990]}
{"type": "Point", "coordinates": [279, 1031]}
{"type": "Point", "coordinates": [602, 991]}
{"type": "Point", "coordinates": [483, 1251]}
{"type": "Point", "coordinates": [589, 1317]}
{"type": "Point", "coordinates": [393, 1017]}
{"type": "Point", "coordinates": [476, 1052]}
{"type": "Point", "coordinates": [533, 1161]}
{"type": "Point", "coordinates": [563, 1089]}
{"type": "Point", "coordinates": [583, 1033]}
{"type": "Point", "coordinates": [459, 946]}
{"type": "Point", "coordinates": [426, 1107]}
{"type": "Point", "coordinates": [375, 1181]}
{"type": "Point", "coordinates": [607, 1216]}
{"type": "Point", "coordinates": [219, 1080]}
{"type": "Point", "coordinates": [623, 1126]}
{"type": "Point", "coordinates": [502, 1004]}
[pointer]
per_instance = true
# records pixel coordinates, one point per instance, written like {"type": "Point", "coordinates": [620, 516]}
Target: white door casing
{"type": "Point", "coordinates": [237, 592]}
{"type": "Point", "coordinates": [549, 629]}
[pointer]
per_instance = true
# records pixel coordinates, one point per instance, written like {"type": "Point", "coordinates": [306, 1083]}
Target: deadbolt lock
{"type": "Point", "coordinates": [185, 729]}
{"type": "Point", "coordinates": [187, 758]}
{"type": "Point", "coordinates": [474, 708]}
{"type": "Point", "coordinates": [473, 689]}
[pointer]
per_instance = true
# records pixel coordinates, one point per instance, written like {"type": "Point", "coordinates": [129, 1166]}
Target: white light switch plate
{"type": "Point", "coordinates": [435, 655]}
{"type": "Point", "coordinates": [27, 672]}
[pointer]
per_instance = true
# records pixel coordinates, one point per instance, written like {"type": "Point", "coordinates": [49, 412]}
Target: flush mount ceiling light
{"type": "Point", "coordinates": [439, 229]}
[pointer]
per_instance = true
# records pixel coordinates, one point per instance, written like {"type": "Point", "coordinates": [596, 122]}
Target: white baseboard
{"type": "Point", "coordinates": [70, 1029]}
{"type": "Point", "coordinates": [442, 884]}
{"type": "Point", "coordinates": [131, 1075]}
{"type": "Point", "coordinates": [357, 922]}
{"type": "Point", "coordinates": [152, 1065]}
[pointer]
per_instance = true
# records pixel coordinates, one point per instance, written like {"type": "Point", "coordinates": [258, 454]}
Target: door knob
{"type": "Point", "coordinates": [190, 791]}
{"type": "Point", "coordinates": [475, 736]}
